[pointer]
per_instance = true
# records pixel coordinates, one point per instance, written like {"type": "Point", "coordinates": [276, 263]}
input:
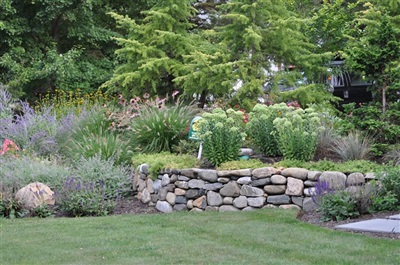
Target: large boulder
{"type": "Point", "coordinates": [336, 180]}
{"type": "Point", "coordinates": [34, 195]}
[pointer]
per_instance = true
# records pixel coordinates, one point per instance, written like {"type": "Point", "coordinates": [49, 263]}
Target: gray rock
{"type": "Point", "coordinates": [310, 183]}
{"type": "Point", "coordinates": [173, 178]}
{"type": "Point", "coordinates": [212, 209]}
{"type": "Point", "coordinates": [270, 206]}
{"type": "Point", "coordinates": [248, 208]}
{"type": "Point", "coordinates": [231, 189]}
{"type": "Point", "coordinates": [213, 186]}
{"type": "Point", "coordinates": [309, 191]}
{"type": "Point", "coordinates": [164, 207]}
{"type": "Point", "coordinates": [207, 175]}
{"type": "Point", "coordinates": [309, 205]}
{"type": "Point", "coordinates": [157, 185]}
{"type": "Point", "coordinates": [257, 202]}
{"type": "Point", "coordinates": [180, 192]}
{"type": "Point", "coordinates": [294, 187]}
{"type": "Point", "coordinates": [238, 173]}
{"type": "Point", "coordinates": [227, 200]}
{"type": "Point", "coordinates": [355, 179]}
{"type": "Point", "coordinates": [192, 193]}
{"type": "Point", "coordinates": [162, 194]}
{"type": "Point", "coordinates": [188, 172]}
{"type": "Point", "coordinates": [298, 200]}
{"type": "Point", "coordinates": [295, 172]}
{"type": "Point", "coordinates": [250, 191]}
{"type": "Point", "coordinates": [223, 180]}
{"type": "Point", "coordinates": [370, 176]}
{"type": "Point", "coordinates": [240, 202]}
{"type": "Point", "coordinates": [141, 185]}
{"type": "Point", "coordinates": [244, 180]}
{"type": "Point", "coordinates": [135, 181]}
{"type": "Point", "coordinates": [246, 152]}
{"type": "Point", "coordinates": [165, 180]}
{"type": "Point", "coordinates": [181, 200]}
{"type": "Point", "coordinates": [197, 210]}
{"type": "Point", "coordinates": [313, 175]}
{"type": "Point", "coordinates": [227, 208]}
{"type": "Point", "coordinates": [189, 204]}
{"type": "Point", "coordinates": [154, 198]}
{"type": "Point", "coordinates": [171, 198]}
{"type": "Point", "coordinates": [144, 168]}
{"type": "Point", "coordinates": [170, 187]}
{"type": "Point", "coordinates": [275, 189]}
{"type": "Point", "coordinates": [196, 184]}
{"type": "Point", "coordinates": [180, 207]}
{"type": "Point", "coordinates": [278, 180]}
{"type": "Point", "coordinates": [182, 184]}
{"type": "Point", "coordinates": [214, 198]}
{"type": "Point", "coordinates": [183, 178]}
{"type": "Point", "coordinates": [146, 196]}
{"type": "Point", "coordinates": [260, 182]}
{"type": "Point", "coordinates": [278, 199]}
{"type": "Point", "coordinates": [264, 172]}
{"type": "Point", "coordinates": [336, 180]}
{"type": "Point", "coordinates": [290, 206]}
{"type": "Point", "coordinates": [150, 185]}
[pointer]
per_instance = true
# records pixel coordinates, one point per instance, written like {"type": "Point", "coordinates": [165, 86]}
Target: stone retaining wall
{"type": "Point", "coordinates": [233, 190]}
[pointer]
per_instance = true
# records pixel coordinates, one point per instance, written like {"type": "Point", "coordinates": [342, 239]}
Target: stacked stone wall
{"type": "Point", "coordinates": [233, 190]}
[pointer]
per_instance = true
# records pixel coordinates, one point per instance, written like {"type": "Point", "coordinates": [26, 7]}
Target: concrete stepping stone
{"type": "Point", "coordinates": [395, 217]}
{"type": "Point", "coordinates": [374, 225]}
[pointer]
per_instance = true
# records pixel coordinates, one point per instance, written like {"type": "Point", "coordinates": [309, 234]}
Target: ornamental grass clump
{"type": "Point", "coordinates": [297, 133]}
{"type": "Point", "coordinates": [354, 146]}
{"type": "Point", "coordinates": [261, 129]}
{"type": "Point", "coordinates": [159, 128]}
{"type": "Point", "coordinates": [221, 135]}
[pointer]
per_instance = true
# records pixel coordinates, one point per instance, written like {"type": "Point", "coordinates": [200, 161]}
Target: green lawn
{"type": "Point", "coordinates": [258, 237]}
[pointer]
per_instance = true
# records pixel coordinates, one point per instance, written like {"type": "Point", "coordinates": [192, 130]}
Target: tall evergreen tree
{"type": "Point", "coordinates": [152, 52]}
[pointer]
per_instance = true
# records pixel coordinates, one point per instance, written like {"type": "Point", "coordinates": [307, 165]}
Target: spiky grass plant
{"type": "Point", "coordinates": [159, 129]}
{"type": "Point", "coordinates": [354, 146]}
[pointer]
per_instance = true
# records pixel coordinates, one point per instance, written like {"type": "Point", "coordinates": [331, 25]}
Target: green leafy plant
{"type": "Point", "coordinates": [385, 202]}
{"type": "Point", "coordinates": [42, 211]}
{"type": "Point", "coordinates": [241, 164]}
{"type": "Point", "coordinates": [260, 127]}
{"type": "Point", "coordinates": [188, 147]}
{"type": "Point", "coordinates": [11, 208]}
{"type": "Point", "coordinates": [338, 206]}
{"type": "Point", "coordinates": [221, 135]}
{"type": "Point", "coordinates": [297, 133]}
{"type": "Point", "coordinates": [354, 146]}
{"type": "Point", "coordinates": [164, 160]}
{"type": "Point", "coordinates": [78, 198]}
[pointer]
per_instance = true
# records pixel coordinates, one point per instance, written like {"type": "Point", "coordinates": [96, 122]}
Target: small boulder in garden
{"type": "Point", "coordinates": [34, 195]}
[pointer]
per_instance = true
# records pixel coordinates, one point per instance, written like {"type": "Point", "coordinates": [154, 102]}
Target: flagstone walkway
{"type": "Point", "coordinates": [390, 224]}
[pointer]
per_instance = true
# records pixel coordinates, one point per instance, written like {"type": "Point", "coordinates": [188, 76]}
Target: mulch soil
{"type": "Point", "coordinates": [134, 206]}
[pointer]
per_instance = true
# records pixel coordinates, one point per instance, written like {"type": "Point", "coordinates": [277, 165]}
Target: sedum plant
{"type": "Point", "coordinates": [261, 129]}
{"type": "Point", "coordinates": [221, 135]}
{"type": "Point", "coordinates": [297, 133]}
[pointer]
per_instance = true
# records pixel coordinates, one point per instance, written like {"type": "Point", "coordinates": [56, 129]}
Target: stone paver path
{"type": "Point", "coordinates": [390, 224]}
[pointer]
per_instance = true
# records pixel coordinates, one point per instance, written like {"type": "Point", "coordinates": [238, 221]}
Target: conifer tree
{"type": "Point", "coordinates": [152, 53]}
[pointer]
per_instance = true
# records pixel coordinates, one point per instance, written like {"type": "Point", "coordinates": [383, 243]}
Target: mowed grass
{"type": "Point", "coordinates": [260, 237]}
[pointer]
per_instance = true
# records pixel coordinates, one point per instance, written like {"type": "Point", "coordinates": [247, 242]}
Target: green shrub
{"type": "Point", "coordinates": [241, 164]}
{"type": "Point", "coordinates": [159, 129]}
{"type": "Point", "coordinates": [186, 147]}
{"type": "Point", "coordinates": [42, 211]}
{"type": "Point", "coordinates": [297, 134]}
{"type": "Point", "coordinates": [354, 146]}
{"type": "Point", "coordinates": [362, 166]}
{"type": "Point", "coordinates": [78, 198]}
{"type": "Point", "coordinates": [260, 128]}
{"type": "Point", "coordinates": [390, 181]}
{"type": "Point", "coordinates": [338, 206]}
{"type": "Point", "coordinates": [114, 179]}
{"type": "Point", "coordinates": [164, 160]}
{"type": "Point", "coordinates": [385, 202]}
{"type": "Point", "coordinates": [221, 135]}
{"type": "Point", "coordinates": [10, 207]}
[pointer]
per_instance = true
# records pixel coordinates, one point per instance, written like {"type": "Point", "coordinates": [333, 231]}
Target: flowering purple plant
{"type": "Point", "coordinates": [321, 189]}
